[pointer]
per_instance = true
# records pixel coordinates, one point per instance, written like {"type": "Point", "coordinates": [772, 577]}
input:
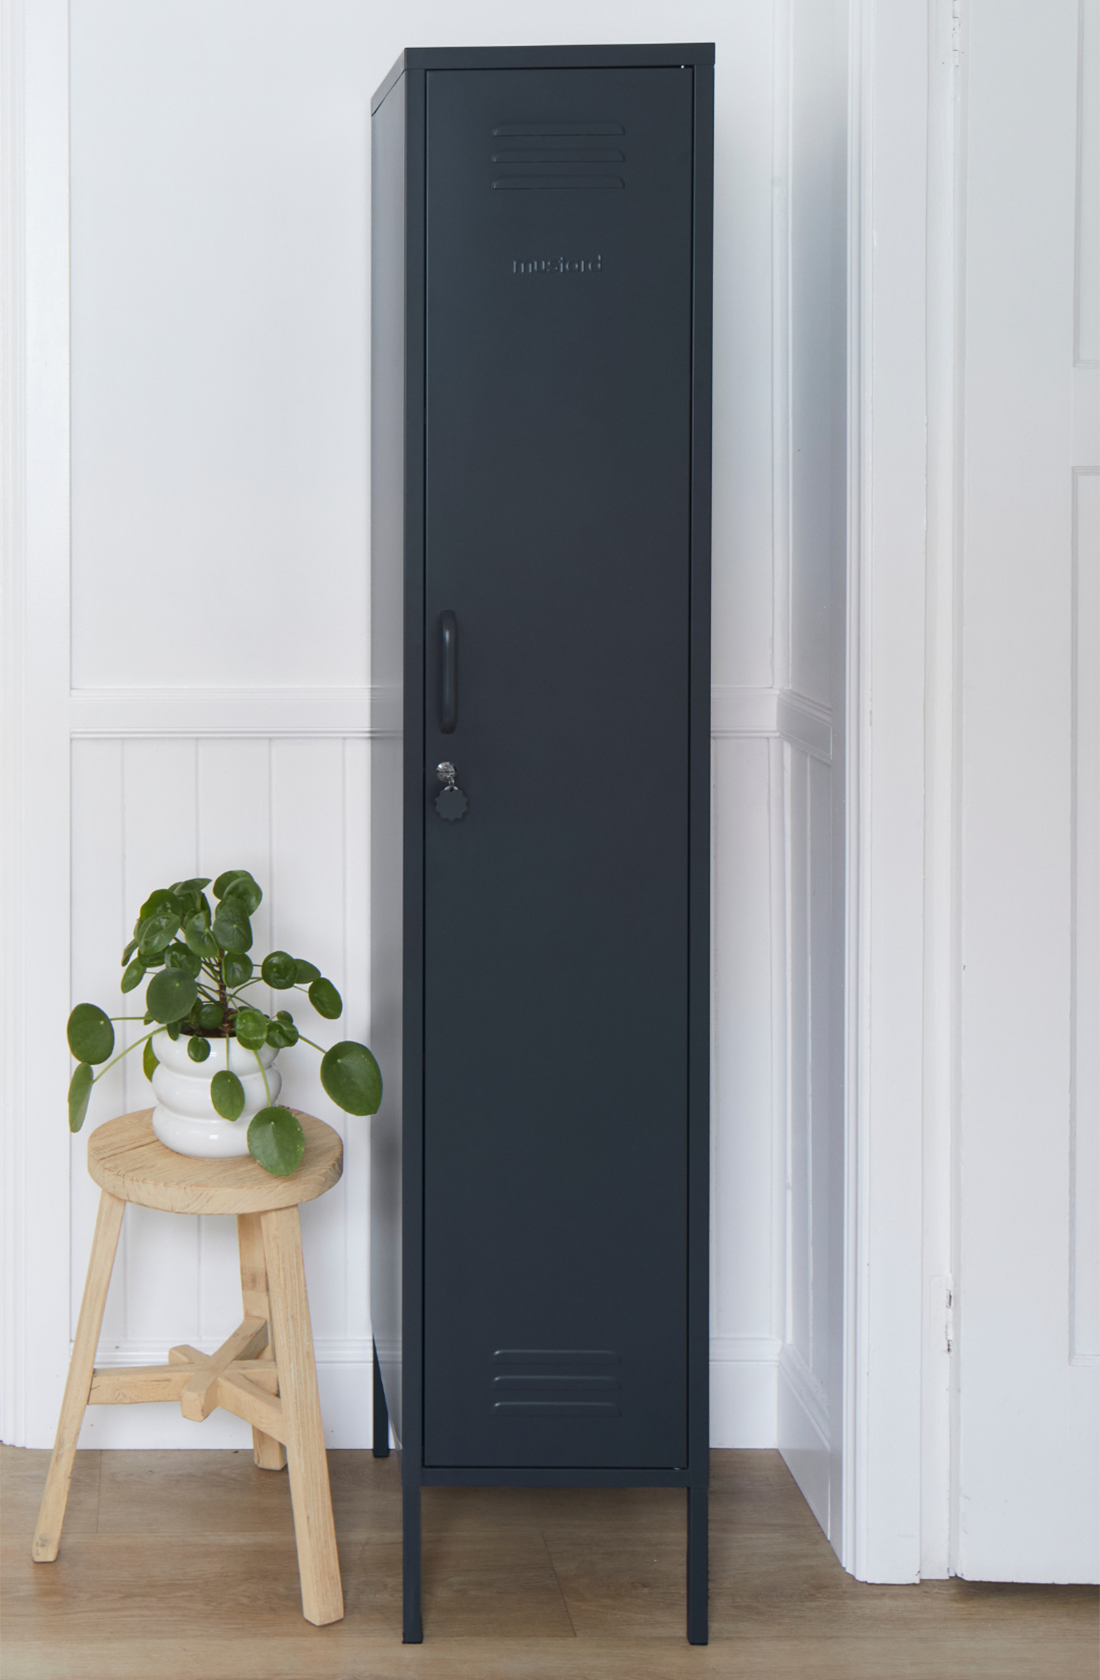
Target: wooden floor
{"type": "Point", "coordinates": [181, 1566]}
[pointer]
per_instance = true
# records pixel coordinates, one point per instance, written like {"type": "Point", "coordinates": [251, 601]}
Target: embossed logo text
{"type": "Point", "coordinates": [558, 265]}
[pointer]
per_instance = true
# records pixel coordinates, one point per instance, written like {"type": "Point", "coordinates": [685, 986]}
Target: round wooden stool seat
{"type": "Point", "coordinates": [127, 1158]}
{"type": "Point", "coordinates": [264, 1373]}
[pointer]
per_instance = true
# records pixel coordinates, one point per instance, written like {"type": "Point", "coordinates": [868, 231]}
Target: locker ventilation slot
{"type": "Point", "coordinates": [588, 150]}
{"type": "Point", "coordinates": [554, 1408]}
{"type": "Point", "coordinates": [548, 1392]}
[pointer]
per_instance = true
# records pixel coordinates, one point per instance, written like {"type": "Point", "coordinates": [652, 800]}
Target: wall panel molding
{"type": "Point", "coordinates": [205, 713]}
{"type": "Point", "coordinates": [13, 537]}
{"type": "Point", "coordinates": [34, 597]}
{"type": "Point", "coordinates": [1086, 268]}
{"type": "Point", "coordinates": [1084, 1228]}
{"type": "Point", "coordinates": [358, 713]}
{"type": "Point", "coordinates": [778, 713]}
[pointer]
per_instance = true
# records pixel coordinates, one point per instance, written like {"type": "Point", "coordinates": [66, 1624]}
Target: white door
{"type": "Point", "coordinates": [1027, 1252]}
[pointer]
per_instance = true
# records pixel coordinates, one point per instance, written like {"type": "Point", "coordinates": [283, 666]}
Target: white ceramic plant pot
{"type": "Point", "coordinates": [185, 1119]}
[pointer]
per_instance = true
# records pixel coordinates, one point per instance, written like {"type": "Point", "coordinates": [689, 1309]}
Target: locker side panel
{"type": "Point", "coordinates": [388, 310]}
{"type": "Point", "coordinates": [699, 961]}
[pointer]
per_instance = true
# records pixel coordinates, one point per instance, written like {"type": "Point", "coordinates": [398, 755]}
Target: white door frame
{"type": "Point", "coordinates": [902, 848]}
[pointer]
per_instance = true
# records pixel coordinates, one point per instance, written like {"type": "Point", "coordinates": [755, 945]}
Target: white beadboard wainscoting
{"type": "Point", "coordinates": [153, 804]}
{"type": "Point", "coordinates": [295, 811]}
{"type": "Point", "coordinates": [774, 910]}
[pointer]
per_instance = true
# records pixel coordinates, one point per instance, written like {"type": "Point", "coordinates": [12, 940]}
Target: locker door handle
{"type": "Point", "coordinates": [448, 672]}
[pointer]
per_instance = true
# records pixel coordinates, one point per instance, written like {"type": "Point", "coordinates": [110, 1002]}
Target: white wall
{"type": "Point", "coordinates": [193, 655]}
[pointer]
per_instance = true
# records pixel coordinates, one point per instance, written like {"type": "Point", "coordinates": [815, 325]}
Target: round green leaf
{"type": "Point", "coordinates": [172, 1028]}
{"type": "Point", "coordinates": [232, 928]}
{"type": "Point", "coordinates": [179, 956]}
{"type": "Point", "coordinates": [196, 931]}
{"type": "Point", "coordinates": [304, 971]}
{"type": "Point", "coordinates": [276, 1140]}
{"type": "Point", "coordinates": [80, 1089]}
{"type": "Point", "coordinates": [163, 899]}
{"type": "Point", "coordinates": [284, 1015]}
{"type": "Point", "coordinates": [91, 1035]}
{"type": "Point", "coordinates": [351, 1077]}
{"type": "Point", "coordinates": [198, 1048]}
{"type": "Point", "coordinates": [129, 951]}
{"type": "Point", "coordinates": [227, 1094]}
{"type": "Point", "coordinates": [279, 971]}
{"type": "Point", "coordinates": [326, 999]}
{"type": "Point", "coordinates": [282, 1034]}
{"type": "Point", "coordinates": [251, 1028]}
{"type": "Point", "coordinates": [237, 885]}
{"type": "Point", "coordinates": [158, 930]}
{"type": "Point", "coordinates": [171, 994]}
{"type": "Point", "coordinates": [211, 1015]}
{"type": "Point", "coordinates": [238, 970]}
{"type": "Point", "coordinates": [192, 888]}
{"type": "Point", "coordinates": [149, 1059]}
{"type": "Point", "coordinates": [134, 975]}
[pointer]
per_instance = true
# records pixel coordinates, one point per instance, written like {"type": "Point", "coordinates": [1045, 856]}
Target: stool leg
{"type": "Point", "coordinates": [267, 1452]}
{"type": "Point", "coordinates": [318, 1564]}
{"type": "Point", "coordinates": [78, 1384]}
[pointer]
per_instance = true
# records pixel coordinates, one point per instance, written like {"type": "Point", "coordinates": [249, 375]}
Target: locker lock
{"type": "Point", "coordinates": [452, 802]}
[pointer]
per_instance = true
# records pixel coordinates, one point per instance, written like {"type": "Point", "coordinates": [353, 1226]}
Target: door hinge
{"type": "Point", "coordinates": [949, 1316]}
{"type": "Point", "coordinates": [956, 32]}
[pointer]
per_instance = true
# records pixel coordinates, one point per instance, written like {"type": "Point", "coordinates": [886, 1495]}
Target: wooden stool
{"type": "Point", "coordinates": [264, 1373]}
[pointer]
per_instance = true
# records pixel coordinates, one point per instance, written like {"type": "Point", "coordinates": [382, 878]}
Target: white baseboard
{"type": "Point", "coordinates": [344, 1379]}
{"type": "Point", "coordinates": [744, 1394]}
{"type": "Point", "coordinates": [803, 1432]}
{"type": "Point", "coordinates": [743, 1391]}
{"type": "Point", "coordinates": [345, 1389]}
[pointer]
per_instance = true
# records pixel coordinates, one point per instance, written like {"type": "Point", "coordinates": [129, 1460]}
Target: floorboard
{"type": "Point", "coordinates": [181, 1566]}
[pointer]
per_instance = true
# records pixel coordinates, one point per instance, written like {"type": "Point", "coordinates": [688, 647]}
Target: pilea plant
{"type": "Point", "coordinates": [198, 968]}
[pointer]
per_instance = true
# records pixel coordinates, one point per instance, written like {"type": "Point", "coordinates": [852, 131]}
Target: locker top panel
{"type": "Point", "coordinates": [616, 56]}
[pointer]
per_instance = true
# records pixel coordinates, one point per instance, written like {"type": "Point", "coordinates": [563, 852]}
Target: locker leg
{"type": "Point", "coordinates": [414, 1632]}
{"type": "Point", "coordinates": [697, 1566]}
{"type": "Point", "coordinates": [381, 1412]}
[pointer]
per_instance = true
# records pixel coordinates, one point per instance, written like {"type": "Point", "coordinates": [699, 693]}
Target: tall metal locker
{"type": "Point", "coordinates": [541, 765]}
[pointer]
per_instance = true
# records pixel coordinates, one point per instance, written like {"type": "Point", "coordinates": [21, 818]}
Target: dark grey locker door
{"type": "Point", "coordinates": [557, 533]}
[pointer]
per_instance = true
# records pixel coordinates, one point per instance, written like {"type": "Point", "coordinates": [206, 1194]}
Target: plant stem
{"type": "Point", "coordinates": [263, 1076]}
{"type": "Point", "coordinates": [302, 1039]}
{"type": "Point", "coordinates": [129, 1047]}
